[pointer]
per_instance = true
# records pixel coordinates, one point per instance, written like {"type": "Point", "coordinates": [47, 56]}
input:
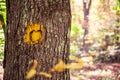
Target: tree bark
{"type": "Point", "coordinates": [55, 16]}
{"type": "Point", "coordinates": [86, 10]}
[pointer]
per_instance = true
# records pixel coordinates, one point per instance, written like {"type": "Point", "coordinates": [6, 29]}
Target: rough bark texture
{"type": "Point", "coordinates": [56, 17]}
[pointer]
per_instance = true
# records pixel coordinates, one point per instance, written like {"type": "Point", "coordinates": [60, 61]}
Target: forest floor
{"type": "Point", "coordinates": [102, 71]}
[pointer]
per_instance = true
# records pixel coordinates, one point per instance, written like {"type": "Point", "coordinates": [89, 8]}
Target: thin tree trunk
{"type": "Point", "coordinates": [86, 9]}
{"type": "Point", "coordinates": [55, 16]}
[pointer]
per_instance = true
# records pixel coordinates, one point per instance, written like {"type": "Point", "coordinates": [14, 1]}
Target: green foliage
{"type": "Point", "coordinates": [3, 13]}
{"type": "Point", "coordinates": [3, 9]}
{"type": "Point", "coordinates": [73, 49]}
{"type": "Point", "coordinates": [76, 29]}
{"type": "Point", "coordinates": [2, 6]}
{"type": "Point", "coordinates": [1, 44]}
{"type": "Point", "coordinates": [117, 24]}
{"type": "Point", "coordinates": [117, 7]}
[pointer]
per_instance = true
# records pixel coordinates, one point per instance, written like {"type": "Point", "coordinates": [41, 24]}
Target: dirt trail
{"type": "Point", "coordinates": [103, 71]}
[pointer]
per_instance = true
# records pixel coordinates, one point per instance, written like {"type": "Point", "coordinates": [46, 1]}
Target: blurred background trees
{"type": "Point", "coordinates": [103, 18]}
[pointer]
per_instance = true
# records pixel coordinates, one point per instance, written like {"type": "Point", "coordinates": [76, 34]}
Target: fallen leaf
{"type": "Point", "coordinates": [31, 74]}
{"type": "Point", "coordinates": [45, 74]}
{"type": "Point", "coordinates": [35, 64]}
{"type": "Point", "coordinates": [59, 67]}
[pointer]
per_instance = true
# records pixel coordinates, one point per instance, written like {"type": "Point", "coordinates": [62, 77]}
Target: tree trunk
{"type": "Point", "coordinates": [55, 16]}
{"type": "Point", "coordinates": [86, 9]}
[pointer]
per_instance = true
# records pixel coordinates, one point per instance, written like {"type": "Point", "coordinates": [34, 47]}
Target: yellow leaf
{"type": "Point", "coordinates": [31, 74]}
{"type": "Point", "coordinates": [35, 64]}
{"type": "Point", "coordinates": [59, 67]}
{"type": "Point", "coordinates": [76, 59]}
{"type": "Point", "coordinates": [74, 66]}
{"type": "Point", "coordinates": [45, 74]}
{"type": "Point", "coordinates": [72, 57]}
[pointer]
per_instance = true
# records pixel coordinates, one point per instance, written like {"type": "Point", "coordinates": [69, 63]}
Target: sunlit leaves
{"type": "Point", "coordinates": [72, 57]}
{"type": "Point", "coordinates": [1, 43]}
{"type": "Point", "coordinates": [3, 9]}
{"type": "Point", "coordinates": [3, 13]}
{"type": "Point", "coordinates": [117, 8]}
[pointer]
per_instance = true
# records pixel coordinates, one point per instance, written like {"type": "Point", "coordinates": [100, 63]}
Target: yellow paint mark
{"type": "Point", "coordinates": [34, 33]}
